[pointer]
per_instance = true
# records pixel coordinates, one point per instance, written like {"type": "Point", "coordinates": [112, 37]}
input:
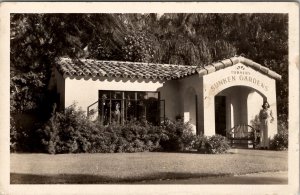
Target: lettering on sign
{"type": "Point", "coordinates": [254, 81]}
{"type": "Point", "coordinates": [240, 72]}
{"type": "Point", "coordinates": [223, 82]}
{"type": "Point", "coordinates": [239, 75]}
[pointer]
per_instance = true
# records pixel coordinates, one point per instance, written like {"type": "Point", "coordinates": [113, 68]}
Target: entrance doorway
{"type": "Point", "coordinates": [190, 109]}
{"type": "Point", "coordinates": [220, 115]}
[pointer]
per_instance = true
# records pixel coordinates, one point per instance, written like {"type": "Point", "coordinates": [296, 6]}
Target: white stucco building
{"type": "Point", "coordinates": [212, 98]}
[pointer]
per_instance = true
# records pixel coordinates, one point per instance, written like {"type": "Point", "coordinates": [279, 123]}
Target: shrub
{"type": "Point", "coordinates": [72, 132]}
{"type": "Point", "coordinates": [23, 134]}
{"type": "Point", "coordinates": [217, 144]}
{"type": "Point", "coordinates": [67, 132]}
{"type": "Point", "coordinates": [122, 145]}
{"type": "Point", "coordinates": [178, 136]}
{"type": "Point", "coordinates": [280, 141]}
{"type": "Point", "coordinates": [199, 143]}
{"type": "Point", "coordinates": [13, 135]}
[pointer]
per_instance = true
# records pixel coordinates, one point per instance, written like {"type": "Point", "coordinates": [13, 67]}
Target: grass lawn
{"type": "Point", "coordinates": [132, 167]}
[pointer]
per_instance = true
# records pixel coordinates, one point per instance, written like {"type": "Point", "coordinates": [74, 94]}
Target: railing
{"type": "Point", "coordinates": [243, 134]}
{"type": "Point", "coordinates": [88, 108]}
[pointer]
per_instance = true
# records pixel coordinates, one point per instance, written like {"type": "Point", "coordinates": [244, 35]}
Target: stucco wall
{"type": "Point", "coordinates": [186, 86]}
{"type": "Point", "coordinates": [254, 105]}
{"type": "Point", "coordinates": [170, 93]}
{"type": "Point", "coordinates": [85, 91]}
{"type": "Point", "coordinates": [237, 75]}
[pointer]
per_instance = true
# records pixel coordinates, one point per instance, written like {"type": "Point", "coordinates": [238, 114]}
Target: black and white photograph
{"type": "Point", "coordinates": [148, 99]}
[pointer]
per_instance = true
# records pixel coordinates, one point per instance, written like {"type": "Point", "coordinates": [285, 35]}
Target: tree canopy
{"type": "Point", "coordinates": [185, 38]}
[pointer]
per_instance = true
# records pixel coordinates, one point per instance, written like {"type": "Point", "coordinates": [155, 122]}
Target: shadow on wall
{"type": "Point", "coordinates": [118, 79]}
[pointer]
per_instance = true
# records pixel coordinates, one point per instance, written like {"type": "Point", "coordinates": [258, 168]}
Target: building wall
{"type": "Point", "coordinates": [188, 88]}
{"type": "Point", "coordinates": [84, 92]}
{"type": "Point", "coordinates": [249, 80]}
{"type": "Point", "coordinates": [254, 106]}
{"type": "Point", "coordinates": [170, 93]}
{"type": "Point", "coordinates": [242, 85]}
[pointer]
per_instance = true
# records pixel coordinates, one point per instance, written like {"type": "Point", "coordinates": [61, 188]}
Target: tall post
{"type": "Point", "coordinates": [209, 115]}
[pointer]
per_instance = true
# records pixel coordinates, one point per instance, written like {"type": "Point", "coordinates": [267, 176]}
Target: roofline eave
{"type": "Point", "coordinates": [233, 61]}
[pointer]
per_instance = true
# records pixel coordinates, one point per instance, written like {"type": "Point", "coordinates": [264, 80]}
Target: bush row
{"type": "Point", "coordinates": [181, 138]}
{"type": "Point", "coordinates": [72, 132]}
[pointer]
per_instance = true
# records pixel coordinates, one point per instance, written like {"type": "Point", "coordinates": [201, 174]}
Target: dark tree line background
{"type": "Point", "coordinates": [190, 39]}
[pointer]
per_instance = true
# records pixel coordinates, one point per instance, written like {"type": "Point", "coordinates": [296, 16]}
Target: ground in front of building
{"type": "Point", "coordinates": [280, 177]}
{"type": "Point", "coordinates": [236, 167]}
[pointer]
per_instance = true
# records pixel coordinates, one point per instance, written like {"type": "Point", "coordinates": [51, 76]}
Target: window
{"type": "Point", "coordinates": [117, 107]}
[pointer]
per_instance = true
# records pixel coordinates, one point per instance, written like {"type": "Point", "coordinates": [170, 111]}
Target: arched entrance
{"type": "Point", "coordinates": [190, 108]}
{"type": "Point", "coordinates": [244, 88]}
{"type": "Point", "coordinates": [236, 105]}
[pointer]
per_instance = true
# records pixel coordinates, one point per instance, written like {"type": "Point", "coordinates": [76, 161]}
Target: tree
{"type": "Point", "coordinates": [37, 40]}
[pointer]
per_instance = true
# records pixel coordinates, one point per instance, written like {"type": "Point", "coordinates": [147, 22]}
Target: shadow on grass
{"type": "Point", "coordinates": [19, 178]}
{"type": "Point", "coordinates": [195, 152]}
{"type": "Point", "coordinates": [242, 179]}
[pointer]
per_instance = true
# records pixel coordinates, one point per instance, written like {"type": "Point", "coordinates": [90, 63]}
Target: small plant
{"type": "Point", "coordinates": [217, 144]}
{"type": "Point", "coordinates": [280, 141]}
{"type": "Point", "coordinates": [13, 135]}
{"type": "Point", "coordinates": [67, 132]}
{"type": "Point", "coordinates": [179, 136]}
{"type": "Point", "coordinates": [199, 143]}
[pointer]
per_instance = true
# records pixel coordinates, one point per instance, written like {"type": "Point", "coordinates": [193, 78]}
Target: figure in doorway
{"type": "Point", "coordinates": [265, 117]}
{"type": "Point", "coordinates": [116, 114]}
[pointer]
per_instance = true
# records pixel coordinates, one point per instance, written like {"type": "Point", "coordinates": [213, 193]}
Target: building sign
{"type": "Point", "coordinates": [241, 74]}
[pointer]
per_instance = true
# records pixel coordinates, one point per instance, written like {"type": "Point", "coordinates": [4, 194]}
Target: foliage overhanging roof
{"type": "Point", "coordinates": [96, 68]}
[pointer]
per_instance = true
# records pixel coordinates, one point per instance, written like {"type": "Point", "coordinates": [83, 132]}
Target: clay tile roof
{"type": "Point", "coordinates": [94, 68]}
{"type": "Point", "coordinates": [98, 68]}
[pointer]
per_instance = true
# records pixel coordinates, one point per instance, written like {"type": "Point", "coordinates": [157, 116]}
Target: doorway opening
{"type": "Point", "coordinates": [220, 115]}
{"type": "Point", "coordinates": [190, 109]}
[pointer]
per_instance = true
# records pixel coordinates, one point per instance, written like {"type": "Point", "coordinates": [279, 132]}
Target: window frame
{"type": "Point", "coordinates": [123, 106]}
